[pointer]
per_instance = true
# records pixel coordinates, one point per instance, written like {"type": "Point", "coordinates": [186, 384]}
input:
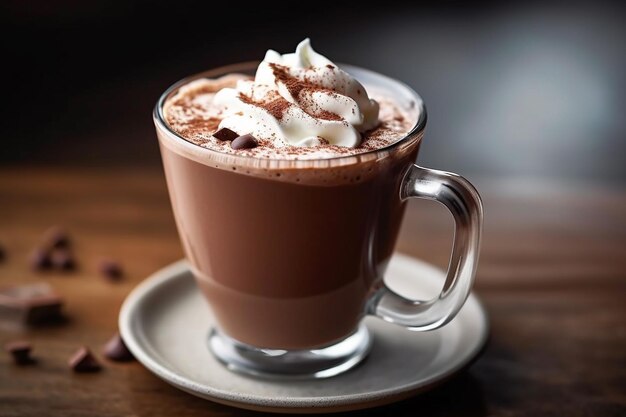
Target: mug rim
{"type": "Point", "coordinates": [161, 123]}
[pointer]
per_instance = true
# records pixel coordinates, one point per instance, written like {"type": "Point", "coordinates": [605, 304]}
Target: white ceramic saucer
{"type": "Point", "coordinates": [165, 323]}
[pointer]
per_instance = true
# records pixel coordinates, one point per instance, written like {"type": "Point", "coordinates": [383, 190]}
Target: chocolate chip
{"type": "Point", "coordinates": [57, 238]}
{"type": "Point", "coordinates": [225, 134]}
{"type": "Point", "coordinates": [20, 351]}
{"type": "Point", "coordinates": [83, 361]}
{"type": "Point", "coordinates": [244, 142]}
{"type": "Point", "coordinates": [63, 259]}
{"type": "Point", "coordinates": [3, 253]}
{"type": "Point", "coordinates": [111, 270]}
{"type": "Point", "coordinates": [116, 350]}
{"type": "Point", "coordinates": [30, 304]}
{"type": "Point", "coordinates": [40, 259]}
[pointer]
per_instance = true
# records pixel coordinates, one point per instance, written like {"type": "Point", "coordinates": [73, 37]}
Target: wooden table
{"type": "Point", "coordinates": [552, 276]}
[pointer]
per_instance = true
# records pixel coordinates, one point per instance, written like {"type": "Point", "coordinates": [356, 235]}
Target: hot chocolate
{"type": "Point", "coordinates": [288, 233]}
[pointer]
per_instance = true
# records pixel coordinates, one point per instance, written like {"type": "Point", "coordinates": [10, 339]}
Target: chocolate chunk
{"type": "Point", "coordinates": [30, 304]}
{"type": "Point", "coordinates": [111, 270]}
{"type": "Point", "coordinates": [3, 253]}
{"type": "Point", "coordinates": [116, 350]}
{"type": "Point", "coordinates": [83, 361]}
{"type": "Point", "coordinates": [20, 351]}
{"type": "Point", "coordinates": [57, 238]}
{"type": "Point", "coordinates": [244, 142]}
{"type": "Point", "coordinates": [63, 259]}
{"type": "Point", "coordinates": [225, 134]}
{"type": "Point", "coordinates": [40, 259]}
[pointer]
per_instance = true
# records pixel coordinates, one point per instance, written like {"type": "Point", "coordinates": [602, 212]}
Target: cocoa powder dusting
{"type": "Point", "coordinates": [301, 91]}
{"type": "Point", "coordinates": [276, 106]}
{"type": "Point", "coordinates": [327, 115]}
{"type": "Point", "coordinates": [198, 124]}
{"type": "Point", "coordinates": [207, 89]}
{"type": "Point", "coordinates": [293, 84]}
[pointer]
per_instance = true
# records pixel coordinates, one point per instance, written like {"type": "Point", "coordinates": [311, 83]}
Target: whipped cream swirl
{"type": "Point", "coordinates": [299, 99]}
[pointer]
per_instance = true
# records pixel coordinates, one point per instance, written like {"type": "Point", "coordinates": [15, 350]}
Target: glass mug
{"type": "Point", "coordinates": [291, 254]}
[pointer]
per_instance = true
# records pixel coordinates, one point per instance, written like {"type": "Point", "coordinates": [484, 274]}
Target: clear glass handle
{"type": "Point", "coordinates": [463, 201]}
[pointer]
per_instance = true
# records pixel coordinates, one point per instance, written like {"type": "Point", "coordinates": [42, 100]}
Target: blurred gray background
{"type": "Point", "coordinates": [531, 91]}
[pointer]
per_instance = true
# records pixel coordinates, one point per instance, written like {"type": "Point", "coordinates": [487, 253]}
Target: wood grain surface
{"type": "Point", "coordinates": [552, 276]}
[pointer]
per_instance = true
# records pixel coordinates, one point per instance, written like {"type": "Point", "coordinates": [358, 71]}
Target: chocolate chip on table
{"type": "Point", "coordinates": [225, 134]}
{"type": "Point", "coordinates": [57, 238]}
{"type": "Point", "coordinates": [116, 350]}
{"type": "Point", "coordinates": [40, 259]}
{"type": "Point", "coordinates": [244, 142]}
{"type": "Point", "coordinates": [20, 350]}
{"type": "Point", "coordinates": [30, 304]}
{"type": "Point", "coordinates": [54, 251]}
{"type": "Point", "coordinates": [83, 361]}
{"type": "Point", "coordinates": [63, 259]}
{"type": "Point", "coordinates": [111, 270]}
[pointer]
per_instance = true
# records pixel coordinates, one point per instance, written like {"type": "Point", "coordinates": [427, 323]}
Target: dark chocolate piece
{"type": "Point", "coordinates": [111, 270]}
{"type": "Point", "coordinates": [20, 350]}
{"type": "Point", "coordinates": [83, 361]}
{"type": "Point", "coordinates": [116, 350]}
{"type": "Point", "coordinates": [244, 142]}
{"type": "Point", "coordinates": [30, 304]}
{"type": "Point", "coordinates": [63, 259]}
{"type": "Point", "coordinates": [40, 259]}
{"type": "Point", "coordinates": [57, 238]}
{"type": "Point", "coordinates": [225, 134]}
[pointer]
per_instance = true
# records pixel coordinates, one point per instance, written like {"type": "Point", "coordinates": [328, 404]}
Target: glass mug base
{"type": "Point", "coordinates": [322, 362]}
